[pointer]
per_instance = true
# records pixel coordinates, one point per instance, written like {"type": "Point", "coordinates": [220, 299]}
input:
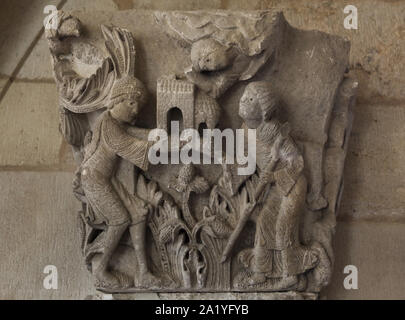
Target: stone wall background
{"type": "Point", "coordinates": [38, 210]}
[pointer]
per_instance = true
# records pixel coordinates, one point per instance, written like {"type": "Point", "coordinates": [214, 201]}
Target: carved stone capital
{"type": "Point", "coordinates": [204, 227]}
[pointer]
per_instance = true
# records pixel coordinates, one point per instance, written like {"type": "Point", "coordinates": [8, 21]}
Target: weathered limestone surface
{"type": "Point", "coordinates": [313, 93]}
{"type": "Point", "coordinates": [3, 82]}
{"type": "Point", "coordinates": [28, 125]}
{"type": "Point", "coordinates": [35, 67]}
{"type": "Point", "coordinates": [376, 144]}
{"type": "Point", "coordinates": [374, 171]}
{"type": "Point", "coordinates": [377, 48]}
{"type": "Point", "coordinates": [176, 5]}
{"type": "Point", "coordinates": [22, 21]}
{"type": "Point", "coordinates": [376, 249]}
{"type": "Point", "coordinates": [89, 6]}
{"type": "Point", "coordinates": [290, 295]}
{"type": "Point", "coordinates": [38, 228]}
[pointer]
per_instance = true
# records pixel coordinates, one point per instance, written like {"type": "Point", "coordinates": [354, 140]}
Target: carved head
{"type": "Point", "coordinates": [128, 96]}
{"type": "Point", "coordinates": [258, 104]}
{"type": "Point", "coordinates": [63, 25]}
{"type": "Point", "coordinates": [128, 93]}
{"type": "Point", "coordinates": [209, 55]}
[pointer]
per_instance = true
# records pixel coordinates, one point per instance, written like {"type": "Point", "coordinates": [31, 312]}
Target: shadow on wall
{"type": "Point", "coordinates": [17, 19]}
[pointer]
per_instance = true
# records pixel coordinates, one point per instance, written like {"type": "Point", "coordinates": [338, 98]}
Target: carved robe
{"type": "Point", "coordinates": [277, 251]}
{"type": "Point", "coordinates": [109, 142]}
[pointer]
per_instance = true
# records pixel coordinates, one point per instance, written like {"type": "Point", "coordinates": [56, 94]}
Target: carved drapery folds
{"type": "Point", "coordinates": [202, 227]}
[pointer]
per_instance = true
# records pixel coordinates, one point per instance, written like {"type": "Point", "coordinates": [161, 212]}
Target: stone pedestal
{"type": "Point", "coordinates": [288, 295]}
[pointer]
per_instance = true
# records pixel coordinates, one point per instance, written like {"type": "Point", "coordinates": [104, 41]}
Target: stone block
{"type": "Point", "coordinates": [29, 125]}
{"type": "Point", "coordinates": [376, 249]}
{"type": "Point", "coordinates": [172, 5]}
{"type": "Point", "coordinates": [377, 46]}
{"type": "Point", "coordinates": [38, 64]}
{"type": "Point", "coordinates": [21, 23]}
{"type": "Point", "coordinates": [3, 83]}
{"type": "Point", "coordinates": [374, 170]}
{"type": "Point", "coordinates": [288, 295]}
{"type": "Point", "coordinates": [39, 228]}
{"type": "Point", "coordinates": [104, 5]}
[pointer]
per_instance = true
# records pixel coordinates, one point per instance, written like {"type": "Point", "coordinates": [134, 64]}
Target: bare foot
{"type": "Point", "coordinates": [257, 278]}
{"type": "Point", "coordinates": [107, 280]}
{"type": "Point", "coordinates": [148, 280]}
{"type": "Point", "coordinates": [288, 281]}
{"type": "Point", "coordinates": [124, 280]}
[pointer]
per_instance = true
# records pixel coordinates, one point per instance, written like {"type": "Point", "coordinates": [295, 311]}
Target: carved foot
{"type": "Point", "coordinates": [257, 278]}
{"type": "Point", "coordinates": [288, 281]}
{"type": "Point", "coordinates": [248, 280]}
{"type": "Point", "coordinates": [112, 280]}
{"type": "Point", "coordinates": [106, 280]}
{"type": "Point", "coordinates": [147, 280]}
{"type": "Point", "coordinates": [125, 281]}
{"type": "Point", "coordinates": [285, 282]}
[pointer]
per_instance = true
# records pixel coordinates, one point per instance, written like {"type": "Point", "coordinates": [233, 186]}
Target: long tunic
{"type": "Point", "coordinates": [277, 251]}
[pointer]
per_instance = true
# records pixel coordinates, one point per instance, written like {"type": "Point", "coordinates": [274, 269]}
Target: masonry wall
{"type": "Point", "coordinates": [38, 210]}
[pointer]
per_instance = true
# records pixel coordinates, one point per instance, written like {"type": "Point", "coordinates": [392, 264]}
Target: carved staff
{"type": "Point", "coordinates": [250, 208]}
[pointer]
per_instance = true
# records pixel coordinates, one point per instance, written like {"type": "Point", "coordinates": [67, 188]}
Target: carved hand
{"type": "Point", "coordinates": [268, 177]}
{"type": "Point", "coordinates": [202, 81]}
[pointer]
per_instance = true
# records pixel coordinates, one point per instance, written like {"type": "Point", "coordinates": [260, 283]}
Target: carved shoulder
{"type": "Point", "coordinates": [123, 144]}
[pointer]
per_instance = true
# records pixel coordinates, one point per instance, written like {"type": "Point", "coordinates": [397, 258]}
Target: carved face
{"type": "Point", "coordinates": [126, 110]}
{"type": "Point", "coordinates": [250, 110]}
{"type": "Point", "coordinates": [209, 55]}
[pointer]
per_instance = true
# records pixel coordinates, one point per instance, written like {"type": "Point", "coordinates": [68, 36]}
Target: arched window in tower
{"type": "Point", "coordinates": [201, 128]}
{"type": "Point", "coordinates": [175, 114]}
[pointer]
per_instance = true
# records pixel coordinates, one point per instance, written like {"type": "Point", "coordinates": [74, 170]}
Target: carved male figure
{"type": "Point", "coordinates": [109, 142]}
{"type": "Point", "coordinates": [277, 252]}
